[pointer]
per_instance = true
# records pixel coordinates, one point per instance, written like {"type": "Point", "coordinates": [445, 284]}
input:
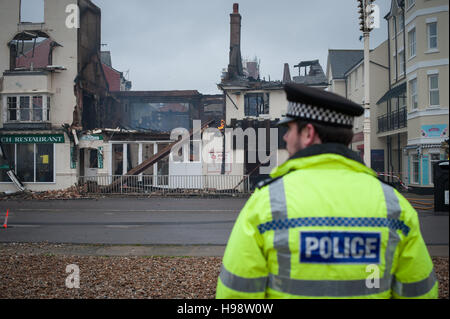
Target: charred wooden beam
{"type": "Point", "coordinates": [154, 159]}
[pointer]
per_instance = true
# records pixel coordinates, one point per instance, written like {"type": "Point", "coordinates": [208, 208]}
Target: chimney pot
{"type": "Point", "coordinates": [235, 7]}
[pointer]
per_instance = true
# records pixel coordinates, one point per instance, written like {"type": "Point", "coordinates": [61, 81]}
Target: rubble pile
{"type": "Point", "coordinates": [73, 192]}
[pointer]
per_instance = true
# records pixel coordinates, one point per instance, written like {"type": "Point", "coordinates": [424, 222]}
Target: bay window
{"type": "Point", "coordinates": [28, 108]}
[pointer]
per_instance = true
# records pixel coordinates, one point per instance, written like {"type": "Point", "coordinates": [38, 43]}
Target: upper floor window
{"type": "Point", "coordinates": [35, 108]}
{"type": "Point", "coordinates": [256, 104]}
{"type": "Point", "coordinates": [413, 94]}
{"type": "Point", "coordinates": [433, 84]}
{"type": "Point", "coordinates": [410, 3]}
{"type": "Point", "coordinates": [432, 35]}
{"type": "Point", "coordinates": [31, 50]}
{"type": "Point", "coordinates": [401, 62]}
{"type": "Point", "coordinates": [412, 43]}
{"type": "Point", "coordinates": [31, 11]}
{"type": "Point", "coordinates": [401, 22]}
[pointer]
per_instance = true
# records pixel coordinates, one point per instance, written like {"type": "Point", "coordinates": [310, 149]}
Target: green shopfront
{"type": "Point", "coordinates": [31, 156]}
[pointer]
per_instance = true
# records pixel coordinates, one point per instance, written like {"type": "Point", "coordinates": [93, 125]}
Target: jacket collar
{"type": "Point", "coordinates": [321, 152]}
{"type": "Point", "coordinates": [333, 148]}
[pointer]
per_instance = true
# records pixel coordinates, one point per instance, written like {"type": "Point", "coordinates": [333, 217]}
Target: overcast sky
{"type": "Point", "coordinates": [184, 44]}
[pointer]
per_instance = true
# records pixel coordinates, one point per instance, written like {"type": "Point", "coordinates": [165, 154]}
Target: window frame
{"type": "Point", "coordinates": [413, 173]}
{"type": "Point", "coordinates": [429, 36]}
{"type": "Point", "coordinates": [410, 4]}
{"type": "Point", "coordinates": [402, 62]}
{"type": "Point", "coordinates": [14, 162]}
{"type": "Point", "coordinates": [413, 95]}
{"type": "Point", "coordinates": [434, 90]}
{"type": "Point", "coordinates": [19, 110]}
{"type": "Point", "coordinates": [265, 107]}
{"type": "Point", "coordinates": [431, 164]}
{"type": "Point", "coordinates": [401, 23]}
{"type": "Point", "coordinates": [412, 45]}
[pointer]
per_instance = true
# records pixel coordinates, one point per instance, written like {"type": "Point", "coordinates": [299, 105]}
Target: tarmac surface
{"type": "Point", "coordinates": [154, 226]}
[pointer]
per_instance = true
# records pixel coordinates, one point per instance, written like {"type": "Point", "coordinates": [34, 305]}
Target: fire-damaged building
{"type": "Point", "coordinates": [52, 84]}
{"type": "Point", "coordinates": [258, 104]}
{"type": "Point", "coordinates": [68, 114]}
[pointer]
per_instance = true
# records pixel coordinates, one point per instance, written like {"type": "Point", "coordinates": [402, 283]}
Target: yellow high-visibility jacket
{"type": "Point", "coordinates": [324, 226]}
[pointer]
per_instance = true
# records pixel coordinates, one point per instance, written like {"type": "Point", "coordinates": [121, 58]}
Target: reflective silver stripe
{"type": "Point", "coordinates": [415, 289]}
{"type": "Point", "coordinates": [344, 288]}
{"type": "Point", "coordinates": [393, 212]}
{"type": "Point", "coordinates": [250, 285]}
{"type": "Point", "coordinates": [281, 236]}
{"type": "Point", "coordinates": [322, 288]}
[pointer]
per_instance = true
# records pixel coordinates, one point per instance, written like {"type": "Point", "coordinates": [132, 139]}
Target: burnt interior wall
{"type": "Point", "coordinates": [89, 33]}
{"type": "Point", "coordinates": [93, 92]}
{"type": "Point", "coordinates": [153, 113]}
{"type": "Point", "coordinates": [253, 168]}
{"type": "Point", "coordinates": [213, 108]}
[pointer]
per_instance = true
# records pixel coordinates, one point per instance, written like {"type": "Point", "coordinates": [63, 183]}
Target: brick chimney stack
{"type": "Point", "coordinates": [286, 74]}
{"type": "Point", "coordinates": [235, 63]}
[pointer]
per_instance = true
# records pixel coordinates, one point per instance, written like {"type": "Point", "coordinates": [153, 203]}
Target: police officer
{"type": "Point", "coordinates": [324, 226]}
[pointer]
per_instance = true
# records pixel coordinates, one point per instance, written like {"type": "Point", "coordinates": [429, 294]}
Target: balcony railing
{"type": "Point", "coordinates": [392, 121]}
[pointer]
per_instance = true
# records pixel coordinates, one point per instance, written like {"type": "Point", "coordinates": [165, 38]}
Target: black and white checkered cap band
{"type": "Point", "coordinates": [317, 113]}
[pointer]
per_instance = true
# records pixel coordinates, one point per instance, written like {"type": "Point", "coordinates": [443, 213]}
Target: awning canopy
{"type": "Point", "coordinates": [394, 92]}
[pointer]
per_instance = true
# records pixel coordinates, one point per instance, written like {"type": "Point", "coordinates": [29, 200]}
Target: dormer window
{"type": "Point", "coordinates": [31, 50]}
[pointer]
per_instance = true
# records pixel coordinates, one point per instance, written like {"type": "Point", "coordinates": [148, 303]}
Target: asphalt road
{"type": "Point", "coordinates": [152, 221]}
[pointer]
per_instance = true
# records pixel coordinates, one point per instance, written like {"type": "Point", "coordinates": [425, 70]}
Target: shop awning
{"type": "Point", "coordinates": [394, 92]}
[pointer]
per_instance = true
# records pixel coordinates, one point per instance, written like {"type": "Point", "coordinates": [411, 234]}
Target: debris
{"type": "Point", "coordinates": [68, 193]}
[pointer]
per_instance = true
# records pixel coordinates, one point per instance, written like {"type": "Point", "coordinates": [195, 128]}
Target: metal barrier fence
{"type": "Point", "coordinates": [179, 184]}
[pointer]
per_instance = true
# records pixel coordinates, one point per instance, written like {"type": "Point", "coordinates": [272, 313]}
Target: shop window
{"type": "Point", "coordinates": [31, 11]}
{"type": "Point", "coordinates": [147, 152]}
{"type": "Point", "coordinates": [256, 104]}
{"type": "Point", "coordinates": [33, 163]}
{"type": "Point", "coordinates": [25, 162]}
{"type": "Point", "coordinates": [117, 153]}
{"type": "Point", "coordinates": [434, 158]}
{"type": "Point", "coordinates": [93, 158]}
{"type": "Point", "coordinates": [415, 168]}
{"type": "Point", "coordinates": [132, 155]}
{"type": "Point", "coordinates": [163, 167]}
{"type": "Point", "coordinates": [44, 162]}
{"type": "Point", "coordinates": [6, 161]}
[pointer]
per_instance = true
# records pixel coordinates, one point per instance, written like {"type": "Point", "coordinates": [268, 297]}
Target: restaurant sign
{"type": "Point", "coordinates": [32, 139]}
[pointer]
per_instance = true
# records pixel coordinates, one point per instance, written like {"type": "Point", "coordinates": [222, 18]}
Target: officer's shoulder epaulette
{"type": "Point", "coordinates": [267, 181]}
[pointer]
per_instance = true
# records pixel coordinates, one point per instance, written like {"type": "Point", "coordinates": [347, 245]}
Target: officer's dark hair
{"type": "Point", "coordinates": [328, 133]}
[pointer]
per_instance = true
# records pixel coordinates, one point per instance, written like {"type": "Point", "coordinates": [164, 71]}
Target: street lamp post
{"type": "Point", "coordinates": [366, 23]}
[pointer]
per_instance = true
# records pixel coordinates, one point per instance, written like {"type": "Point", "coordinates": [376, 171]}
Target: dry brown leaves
{"type": "Point", "coordinates": [44, 275]}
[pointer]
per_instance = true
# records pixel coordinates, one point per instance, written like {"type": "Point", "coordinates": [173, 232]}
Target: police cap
{"type": "Point", "coordinates": [320, 106]}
